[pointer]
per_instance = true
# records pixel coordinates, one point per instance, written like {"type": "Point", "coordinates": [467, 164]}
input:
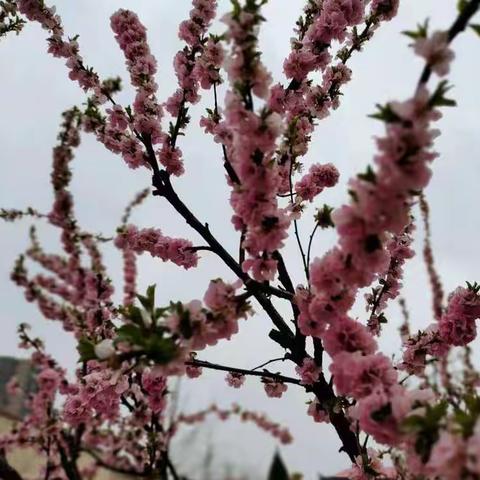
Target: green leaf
{"type": "Point", "coordinates": [420, 32]}
{"type": "Point", "coordinates": [160, 312]}
{"type": "Point", "coordinates": [148, 301]}
{"type": "Point", "coordinates": [461, 4]}
{"type": "Point", "coordinates": [86, 350]}
{"type": "Point", "coordinates": [151, 293]}
{"type": "Point", "coordinates": [475, 27]}
{"type": "Point", "coordinates": [278, 470]}
{"type": "Point", "coordinates": [438, 98]}
{"type": "Point", "coordinates": [473, 287]}
{"type": "Point", "coordinates": [368, 176]}
{"type": "Point", "coordinates": [160, 350]}
{"type": "Point", "coordinates": [131, 334]}
{"type": "Point", "coordinates": [385, 114]}
{"type": "Point", "coordinates": [323, 216]}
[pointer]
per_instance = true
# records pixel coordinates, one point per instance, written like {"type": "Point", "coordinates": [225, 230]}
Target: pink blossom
{"type": "Point", "coordinates": [318, 177]}
{"type": "Point", "coordinates": [457, 324]}
{"type": "Point", "coordinates": [76, 411]}
{"type": "Point", "coordinates": [308, 372]}
{"type": "Point", "coordinates": [317, 412]}
{"type": "Point", "coordinates": [193, 371]}
{"type": "Point", "coordinates": [347, 335]}
{"type": "Point", "coordinates": [171, 159]}
{"type": "Point", "coordinates": [473, 450]}
{"type": "Point", "coordinates": [436, 52]}
{"type": "Point", "coordinates": [359, 375]}
{"type": "Point", "coordinates": [176, 250]}
{"type": "Point", "coordinates": [385, 9]}
{"type": "Point", "coordinates": [299, 64]}
{"type": "Point", "coordinates": [235, 380]}
{"type": "Point", "coordinates": [376, 416]}
{"type": "Point", "coordinates": [262, 269]}
{"type": "Point", "coordinates": [448, 456]}
{"type": "Point", "coordinates": [274, 388]}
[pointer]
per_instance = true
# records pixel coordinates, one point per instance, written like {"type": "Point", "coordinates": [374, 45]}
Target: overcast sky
{"type": "Point", "coordinates": [34, 90]}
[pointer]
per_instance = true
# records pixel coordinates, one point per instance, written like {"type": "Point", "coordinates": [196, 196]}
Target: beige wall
{"type": "Point", "coordinates": [27, 462]}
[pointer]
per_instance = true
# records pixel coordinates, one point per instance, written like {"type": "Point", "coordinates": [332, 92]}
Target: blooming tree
{"type": "Point", "coordinates": [410, 419]}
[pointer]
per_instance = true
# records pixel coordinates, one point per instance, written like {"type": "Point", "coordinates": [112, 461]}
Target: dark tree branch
{"type": "Point", "coordinates": [457, 27]}
{"type": "Point", "coordinates": [242, 371]}
{"type": "Point", "coordinates": [7, 472]}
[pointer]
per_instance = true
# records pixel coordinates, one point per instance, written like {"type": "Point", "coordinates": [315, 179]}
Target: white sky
{"type": "Point", "coordinates": [34, 90]}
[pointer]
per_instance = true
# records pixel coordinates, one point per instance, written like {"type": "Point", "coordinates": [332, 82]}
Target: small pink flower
{"type": "Point", "coordinates": [309, 372]}
{"type": "Point", "coordinates": [436, 52]}
{"type": "Point", "coordinates": [274, 388]}
{"type": "Point", "coordinates": [317, 412]}
{"type": "Point", "coordinates": [235, 380]}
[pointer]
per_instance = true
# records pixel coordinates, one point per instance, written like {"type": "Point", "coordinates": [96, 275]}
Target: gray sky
{"type": "Point", "coordinates": [34, 90]}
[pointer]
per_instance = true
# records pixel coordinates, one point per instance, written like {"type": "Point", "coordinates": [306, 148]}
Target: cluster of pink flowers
{"type": "Point", "coordinates": [380, 206]}
{"type": "Point", "coordinates": [196, 64]}
{"type": "Point", "coordinates": [176, 250]}
{"type": "Point", "coordinates": [62, 210]}
{"type": "Point", "coordinates": [274, 388]}
{"type": "Point", "coordinates": [37, 11]}
{"type": "Point", "coordinates": [309, 371]}
{"type": "Point", "coordinates": [250, 141]}
{"type": "Point", "coordinates": [201, 15]}
{"type": "Point", "coordinates": [318, 178]}
{"type": "Point", "coordinates": [260, 420]}
{"type": "Point", "coordinates": [75, 295]}
{"type": "Point", "coordinates": [303, 103]}
{"type": "Point", "coordinates": [193, 371]}
{"type": "Point", "coordinates": [360, 375]}
{"type": "Point", "coordinates": [155, 385]}
{"type": "Point", "coordinates": [330, 24]}
{"type": "Point", "coordinates": [370, 462]}
{"type": "Point", "coordinates": [200, 326]}
{"type": "Point", "coordinates": [254, 200]}
{"type": "Point", "coordinates": [457, 324]}
{"type": "Point", "coordinates": [129, 275]}
{"type": "Point", "coordinates": [417, 347]}
{"type": "Point", "coordinates": [379, 209]}
{"type": "Point", "coordinates": [100, 393]}
{"type": "Point", "coordinates": [399, 249]}
{"type": "Point", "coordinates": [235, 380]}
{"type": "Point", "coordinates": [132, 39]}
{"type": "Point", "coordinates": [200, 60]}
{"type": "Point", "coordinates": [318, 412]}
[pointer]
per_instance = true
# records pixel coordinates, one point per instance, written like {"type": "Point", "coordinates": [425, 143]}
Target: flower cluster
{"type": "Point", "coordinates": [99, 393]}
{"type": "Point", "coordinates": [318, 178]}
{"type": "Point", "coordinates": [37, 11]}
{"type": "Point", "coordinates": [199, 326]}
{"type": "Point", "coordinates": [176, 250]}
{"type": "Point", "coordinates": [318, 412]}
{"type": "Point", "coordinates": [274, 388]}
{"type": "Point", "coordinates": [309, 371]}
{"type": "Point", "coordinates": [399, 249]}
{"type": "Point", "coordinates": [114, 406]}
{"type": "Point", "coordinates": [330, 24]}
{"type": "Point", "coordinates": [457, 324]}
{"type": "Point", "coordinates": [198, 64]}
{"type": "Point", "coordinates": [235, 380]}
{"type": "Point", "coordinates": [260, 420]}
{"type": "Point", "coordinates": [155, 385]}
